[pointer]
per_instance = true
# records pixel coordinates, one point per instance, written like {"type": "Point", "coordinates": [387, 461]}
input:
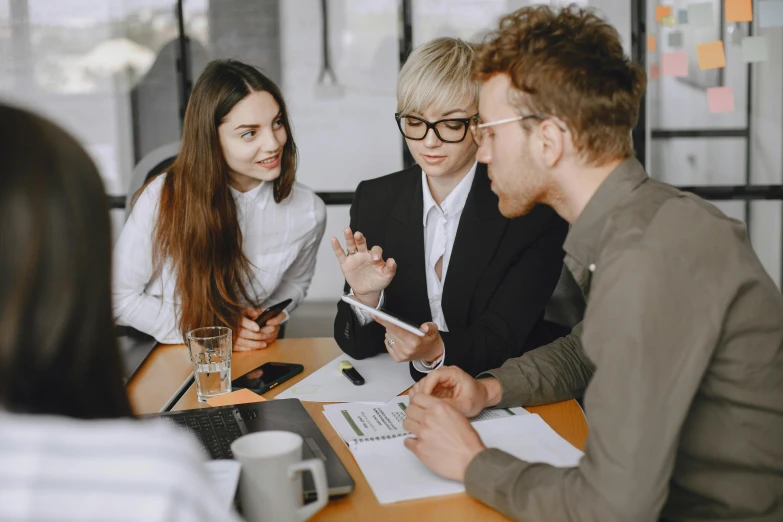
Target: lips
{"type": "Point", "coordinates": [433, 160]}
{"type": "Point", "coordinates": [269, 163]}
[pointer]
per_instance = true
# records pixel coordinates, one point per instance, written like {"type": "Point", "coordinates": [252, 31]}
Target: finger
{"type": "Point", "coordinates": [269, 335]}
{"type": "Point", "coordinates": [245, 345]}
{"type": "Point", "coordinates": [430, 330]}
{"type": "Point", "coordinates": [361, 242]}
{"type": "Point", "coordinates": [395, 355]}
{"type": "Point", "coordinates": [391, 267]}
{"type": "Point", "coordinates": [397, 332]}
{"type": "Point", "coordinates": [415, 412]}
{"type": "Point", "coordinates": [412, 426]}
{"type": "Point", "coordinates": [377, 253]}
{"type": "Point", "coordinates": [428, 384]}
{"type": "Point", "coordinates": [338, 250]}
{"type": "Point", "coordinates": [276, 320]}
{"type": "Point", "coordinates": [350, 244]}
{"type": "Point", "coordinates": [249, 324]}
{"type": "Point", "coordinates": [412, 443]}
{"type": "Point", "coordinates": [425, 402]}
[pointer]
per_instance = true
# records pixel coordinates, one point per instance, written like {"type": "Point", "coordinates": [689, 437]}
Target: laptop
{"type": "Point", "coordinates": [217, 428]}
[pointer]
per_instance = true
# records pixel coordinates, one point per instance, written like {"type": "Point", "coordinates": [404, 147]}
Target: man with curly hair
{"type": "Point", "coordinates": [680, 354]}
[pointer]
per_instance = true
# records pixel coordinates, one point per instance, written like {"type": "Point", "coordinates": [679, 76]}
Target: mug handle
{"type": "Point", "coordinates": [316, 467]}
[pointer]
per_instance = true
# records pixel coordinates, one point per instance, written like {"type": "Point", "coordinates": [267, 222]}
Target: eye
{"type": "Point", "coordinates": [454, 125]}
{"type": "Point", "coordinates": [278, 123]}
{"type": "Point", "coordinates": [412, 123]}
{"type": "Point", "coordinates": [249, 135]}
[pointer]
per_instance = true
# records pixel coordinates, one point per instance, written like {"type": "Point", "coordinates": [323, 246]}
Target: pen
{"type": "Point", "coordinates": [349, 371]}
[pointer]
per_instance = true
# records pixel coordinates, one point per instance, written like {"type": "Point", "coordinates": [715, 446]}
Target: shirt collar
{"type": "Point", "coordinates": [455, 201]}
{"type": "Point", "coordinates": [259, 194]}
{"type": "Point", "coordinates": [584, 237]}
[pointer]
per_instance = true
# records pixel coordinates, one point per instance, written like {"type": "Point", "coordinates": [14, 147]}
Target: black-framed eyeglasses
{"type": "Point", "coordinates": [450, 130]}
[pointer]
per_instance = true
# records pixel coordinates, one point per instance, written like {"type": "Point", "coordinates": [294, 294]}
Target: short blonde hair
{"type": "Point", "coordinates": [437, 73]}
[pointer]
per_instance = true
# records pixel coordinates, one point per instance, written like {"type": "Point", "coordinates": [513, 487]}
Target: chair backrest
{"type": "Point", "coordinates": [153, 163]}
{"type": "Point", "coordinates": [567, 305]}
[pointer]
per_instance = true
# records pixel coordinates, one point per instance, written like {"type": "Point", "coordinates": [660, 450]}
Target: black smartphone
{"type": "Point", "coordinates": [267, 376]}
{"type": "Point", "coordinates": [271, 312]}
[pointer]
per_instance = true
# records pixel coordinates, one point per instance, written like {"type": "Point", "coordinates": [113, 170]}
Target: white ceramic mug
{"type": "Point", "coordinates": [270, 487]}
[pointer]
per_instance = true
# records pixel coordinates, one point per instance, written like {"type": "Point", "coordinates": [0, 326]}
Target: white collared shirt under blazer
{"type": "Point", "coordinates": [440, 224]}
{"type": "Point", "coordinates": [279, 239]}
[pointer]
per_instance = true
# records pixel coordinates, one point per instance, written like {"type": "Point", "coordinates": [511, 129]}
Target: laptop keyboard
{"type": "Point", "coordinates": [216, 431]}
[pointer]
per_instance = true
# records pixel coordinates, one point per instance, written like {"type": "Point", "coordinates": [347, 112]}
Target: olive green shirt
{"type": "Point", "coordinates": [679, 358]}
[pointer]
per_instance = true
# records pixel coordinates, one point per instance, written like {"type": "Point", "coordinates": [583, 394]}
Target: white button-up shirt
{"type": "Point", "coordinates": [440, 230]}
{"type": "Point", "coordinates": [280, 241]}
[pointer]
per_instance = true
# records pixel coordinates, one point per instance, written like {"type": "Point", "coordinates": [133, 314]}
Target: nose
{"type": "Point", "coordinates": [431, 139]}
{"type": "Point", "coordinates": [484, 154]}
{"type": "Point", "coordinates": [269, 141]}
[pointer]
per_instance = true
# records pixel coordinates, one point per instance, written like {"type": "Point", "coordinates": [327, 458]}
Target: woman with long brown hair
{"type": "Point", "coordinates": [69, 449]}
{"type": "Point", "coordinates": [226, 231]}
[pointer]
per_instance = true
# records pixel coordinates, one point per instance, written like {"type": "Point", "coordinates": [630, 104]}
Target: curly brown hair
{"type": "Point", "coordinates": [570, 64]}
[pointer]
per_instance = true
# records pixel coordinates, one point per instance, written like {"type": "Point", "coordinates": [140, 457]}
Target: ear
{"type": "Point", "coordinates": [553, 142]}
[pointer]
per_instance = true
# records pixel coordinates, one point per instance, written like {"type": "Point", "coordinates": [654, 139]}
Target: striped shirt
{"type": "Point", "coordinates": [63, 469]}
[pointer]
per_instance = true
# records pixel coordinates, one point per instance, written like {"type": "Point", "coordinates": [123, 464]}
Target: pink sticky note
{"type": "Point", "coordinates": [654, 73]}
{"type": "Point", "coordinates": [674, 63]}
{"type": "Point", "coordinates": [720, 99]}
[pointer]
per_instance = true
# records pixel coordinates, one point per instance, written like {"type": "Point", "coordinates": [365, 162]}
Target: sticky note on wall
{"type": "Point", "coordinates": [754, 49]}
{"type": "Point", "coordinates": [770, 13]}
{"type": "Point", "coordinates": [651, 43]}
{"type": "Point", "coordinates": [674, 64]}
{"type": "Point", "coordinates": [654, 73]}
{"type": "Point", "coordinates": [682, 16]}
{"type": "Point", "coordinates": [700, 15]}
{"type": "Point", "coordinates": [739, 10]}
{"type": "Point", "coordinates": [711, 55]}
{"type": "Point", "coordinates": [720, 99]}
{"type": "Point", "coordinates": [675, 39]}
{"type": "Point", "coordinates": [662, 11]}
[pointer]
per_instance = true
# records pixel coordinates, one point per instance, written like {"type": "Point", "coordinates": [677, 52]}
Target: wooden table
{"type": "Point", "coordinates": [163, 372]}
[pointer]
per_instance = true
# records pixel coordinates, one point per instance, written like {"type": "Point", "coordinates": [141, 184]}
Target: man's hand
{"type": "Point", "coordinates": [365, 270]}
{"type": "Point", "coordinates": [458, 389]}
{"type": "Point", "coordinates": [445, 441]}
{"type": "Point", "coordinates": [404, 346]}
{"type": "Point", "coordinates": [253, 337]}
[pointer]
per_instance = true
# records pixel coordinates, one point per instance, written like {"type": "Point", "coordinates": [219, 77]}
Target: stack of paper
{"type": "Point", "coordinates": [384, 380]}
{"type": "Point", "coordinates": [375, 437]}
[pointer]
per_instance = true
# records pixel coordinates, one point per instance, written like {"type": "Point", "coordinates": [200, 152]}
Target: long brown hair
{"type": "Point", "coordinates": [197, 226]}
{"type": "Point", "coordinates": [58, 351]}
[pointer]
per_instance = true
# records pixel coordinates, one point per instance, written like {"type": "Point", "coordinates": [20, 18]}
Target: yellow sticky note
{"type": "Point", "coordinates": [711, 55]}
{"type": "Point", "coordinates": [739, 10]}
{"type": "Point", "coordinates": [662, 11]}
{"type": "Point", "coordinates": [651, 43]}
{"type": "Point", "coordinates": [243, 396]}
{"type": "Point", "coordinates": [668, 21]}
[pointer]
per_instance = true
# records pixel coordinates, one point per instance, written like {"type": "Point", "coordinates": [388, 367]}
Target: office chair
{"type": "Point", "coordinates": [150, 165]}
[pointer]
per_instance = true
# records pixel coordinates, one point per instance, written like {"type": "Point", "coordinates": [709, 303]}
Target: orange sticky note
{"type": "Point", "coordinates": [654, 73]}
{"type": "Point", "coordinates": [720, 99]}
{"type": "Point", "coordinates": [711, 55]}
{"type": "Point", "coordinates": [651, 43]}
{"type": "Point", "coordinates": [739, 10]}
{"type": "Point", "coordinates": [661, 11]}
{"type": "Point", "coordinates": [243, 396]}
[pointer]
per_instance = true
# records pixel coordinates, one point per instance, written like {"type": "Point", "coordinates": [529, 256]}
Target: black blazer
{"type": "Point", "coordinates": [500, 276]}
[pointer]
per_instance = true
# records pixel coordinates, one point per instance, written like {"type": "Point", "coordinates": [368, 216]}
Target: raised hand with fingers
{"type": "Point", "coordinates": [365, 270]}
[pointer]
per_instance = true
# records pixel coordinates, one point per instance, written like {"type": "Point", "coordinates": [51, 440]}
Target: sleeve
{"type": "Point", "coordinates": [355, 338]}
{"type": "Point", "coordinates": [516, 307]}
{"type": "Point", "coordinates": [365, 317]}
{"type": "Point", "coordinates": [651, 353]}
{"type": "Point", "coordinates": [297, 278]}
{"type": "Point", "coordinates": [556, 372]}
{"type": "Point", "coordinates": [133, 270]}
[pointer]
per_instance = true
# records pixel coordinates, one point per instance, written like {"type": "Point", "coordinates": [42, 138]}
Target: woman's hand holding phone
{"type": "Point", "coordinates": [365, 270]}
{"type": "Point", "coordinates": [251, 336]}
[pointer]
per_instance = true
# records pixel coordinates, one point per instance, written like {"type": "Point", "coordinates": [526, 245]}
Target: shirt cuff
{"type": "Point", "coordinates": [287, 317]}
{"type": "Point", "coordinates": [362, 316]}
{"type": "Point", "coordinates": [423, 367]}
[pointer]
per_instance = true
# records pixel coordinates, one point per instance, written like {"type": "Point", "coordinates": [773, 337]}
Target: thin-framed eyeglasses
{"type": "Point", "coordinates": [449, 130]}
{"type": "Point", "coordinates": [479, 129]}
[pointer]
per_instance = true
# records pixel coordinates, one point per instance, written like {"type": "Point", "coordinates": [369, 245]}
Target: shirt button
{"type": "Point", "coordinates": [591, 267]}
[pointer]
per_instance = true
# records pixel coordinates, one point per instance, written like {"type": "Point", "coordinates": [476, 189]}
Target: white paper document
{"type": "Point", "coordinates": [395, 474]}
{"type": "Point", "coordinates": [384, 379]}
{"type": "Point", "coordinates": [358, 422]}
{"type": "Point", "coordinates": [223, 476]}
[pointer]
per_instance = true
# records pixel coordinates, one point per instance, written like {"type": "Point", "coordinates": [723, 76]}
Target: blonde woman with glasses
{"type": "Point", "coordinates": [429, 244]}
